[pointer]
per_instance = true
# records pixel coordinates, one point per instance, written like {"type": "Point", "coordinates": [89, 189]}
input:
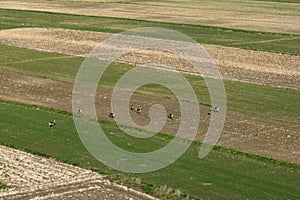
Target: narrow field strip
{"type": "Point", "coordinates": [267, 41]}
{"type": "Point", "coordinates": [37, 59]}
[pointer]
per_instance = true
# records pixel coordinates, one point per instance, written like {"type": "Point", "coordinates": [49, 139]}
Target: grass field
{"type": "Point", "coordinates": [186, 3]}
{"type": "Point", "coordinates": [226, 5]}
{"type": "Point", "coordinates": [263, 41]}
{"type": "Point", "coordinates": [178, 2]}
{"type": "Point", "coordinates": [223, 174]}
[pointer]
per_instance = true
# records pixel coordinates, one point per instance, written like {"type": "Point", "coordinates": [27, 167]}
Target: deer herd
{"type": "Point", "coordinates": [137, 110]}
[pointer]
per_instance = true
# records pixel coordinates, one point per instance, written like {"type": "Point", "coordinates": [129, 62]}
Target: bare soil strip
{"type": "Point", "coordinates": [277, 70]}
{"type": "Point", "coordinates": [248, 15]}
{"type": "Point", "coordinates": [34, 177]}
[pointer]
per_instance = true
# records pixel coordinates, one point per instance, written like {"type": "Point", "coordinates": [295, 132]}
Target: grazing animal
{"type": "Point", "coordinates": [170, 116]}
{"type": "Point", "coordinates": [52, 123]}
{"type": "Point", "coordinates": [132, 107]}
{"type": "Point", "coordinates": [209, 112]}
{"type": "Point", "coordinates": [79, 112]}
{"type": "Point", "coordinates": [216, 109]}
{"type": "Point", "coordinates": [138, 110]}
{"type": "Point", "coordinates": [111, 115]}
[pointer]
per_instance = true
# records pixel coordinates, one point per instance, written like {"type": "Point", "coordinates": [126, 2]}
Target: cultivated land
{"type": "Point", "coordinates": [263, 118]}
{"type": "Point", "coordinates": [277, 70]}
{"type": "Point", "coordinates": [35, 177]}
{"type": "Point", "coordinates": [241, 14]}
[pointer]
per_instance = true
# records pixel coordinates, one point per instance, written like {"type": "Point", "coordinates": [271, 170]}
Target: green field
{"type": "Point", "coordinates": [283, 1]}
{"type": "Point", "coordinates": [222, 174]}
{"type": "Point", "coordinates": [270, 6]}
{"type": "Point", "coordinates": [263, 41]}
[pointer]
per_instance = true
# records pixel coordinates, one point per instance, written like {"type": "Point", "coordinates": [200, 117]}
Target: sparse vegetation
{"type": "Point", "coordinates": [3, 186]}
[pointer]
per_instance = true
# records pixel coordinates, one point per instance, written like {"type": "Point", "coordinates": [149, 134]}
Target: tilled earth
{"type": "Point", "coordinates": [34, 177]}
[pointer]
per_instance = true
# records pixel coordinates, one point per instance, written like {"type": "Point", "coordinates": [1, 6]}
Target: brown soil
{"type": "Point", "coordinates": [34, 177]}
{"type": "Point", "coordinates": [241, 14]}
{"type": "Point", "coordinates": [256, 67]}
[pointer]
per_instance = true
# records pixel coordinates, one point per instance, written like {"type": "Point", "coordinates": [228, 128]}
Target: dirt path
{"type": "Point", "coordinates": [249, 15]}
{"type": "Point", "coordinates": [265, 68]}
{"type": "Point", "coordinates": [34, 177]}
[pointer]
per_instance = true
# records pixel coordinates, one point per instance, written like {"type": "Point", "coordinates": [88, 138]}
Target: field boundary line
{"type": "Point", "coordinates": [38, 59]}
{"type": "Point", "coordinates": [266, 41]}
